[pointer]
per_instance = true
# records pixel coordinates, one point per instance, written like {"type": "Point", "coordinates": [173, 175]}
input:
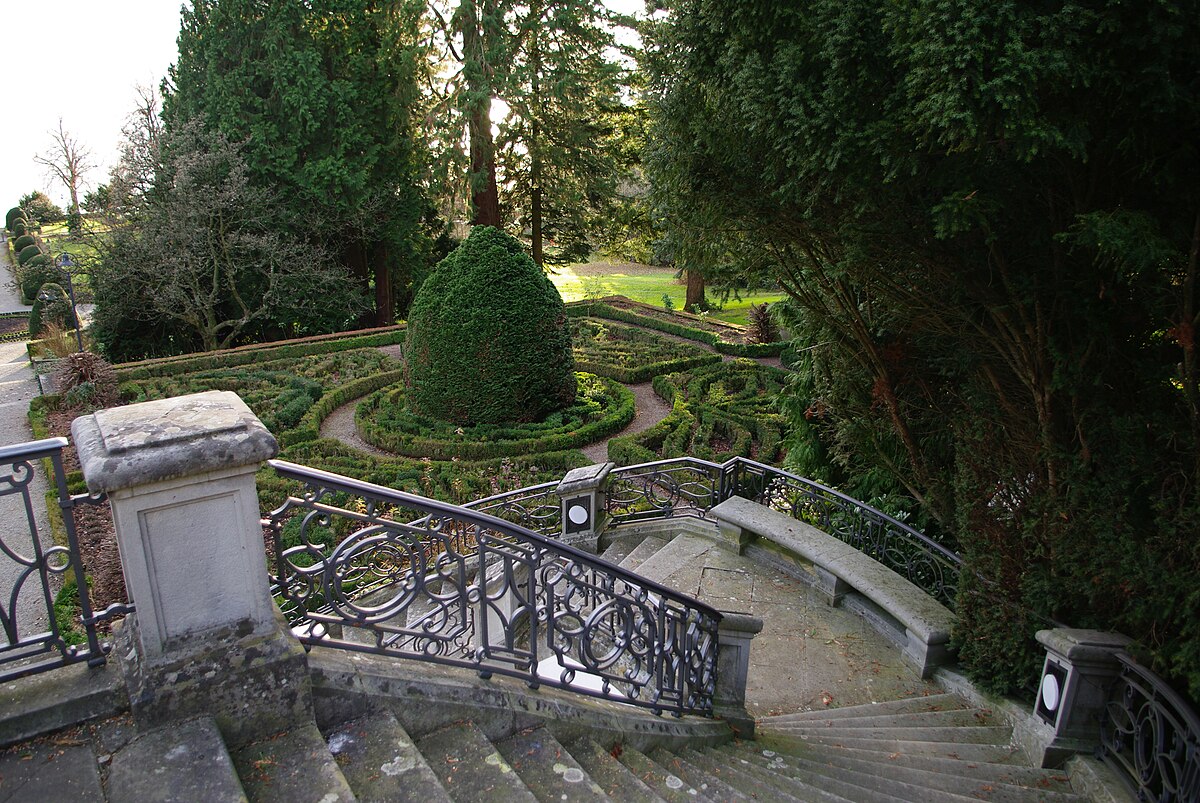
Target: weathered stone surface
{"type": "Point", "coordinates": [381, 762]}
{"type": "Point", "coordinates": [585, 478]}
{"type": "Point", "coordinates": [50, 772]}
{"type": "Point", "coordinates": [52, 700]}
{"type": "Point", "coordinates": [290, 767]}
{"type": "Point", "coordinates": [158, 440]}
{"type": "Point", "coordinates": [181, 763]}
{"type": "Point", "coordinates": [469, 766]}
{"type": "Point", "coordinates": [548, 768]}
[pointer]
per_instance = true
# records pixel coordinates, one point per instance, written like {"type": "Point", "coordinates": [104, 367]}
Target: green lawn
{"type": "Point", "coordinates": [645, 284]}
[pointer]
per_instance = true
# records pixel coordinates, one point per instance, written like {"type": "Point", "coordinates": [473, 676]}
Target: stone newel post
{"type": "Point", "coordinates": [207, 637]}
{"type": "Point", "coordinates": [734, 634]}
{"type": "Point", "coordinates": [581, 495]}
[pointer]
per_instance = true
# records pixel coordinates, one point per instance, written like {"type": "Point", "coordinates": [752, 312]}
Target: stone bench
{"type": "Point", "coordinates": [840, 568]}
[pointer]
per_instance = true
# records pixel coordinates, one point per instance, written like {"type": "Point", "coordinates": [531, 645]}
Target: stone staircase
{"type": "Point", "coordinates": [926, 747]}
{"type": "Point", "coordinates": [919, 749]}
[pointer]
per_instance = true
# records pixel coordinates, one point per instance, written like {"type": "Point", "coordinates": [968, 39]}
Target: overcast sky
{"type": "Point", "coordinates": [81, 60]}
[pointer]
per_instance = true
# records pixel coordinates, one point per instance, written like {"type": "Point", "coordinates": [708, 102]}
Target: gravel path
{"type": "Point", "coordinates": [650, 409]}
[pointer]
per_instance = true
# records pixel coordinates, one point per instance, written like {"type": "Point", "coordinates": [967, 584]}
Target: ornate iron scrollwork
{"type": "Point", "coordinates": [462, 587]}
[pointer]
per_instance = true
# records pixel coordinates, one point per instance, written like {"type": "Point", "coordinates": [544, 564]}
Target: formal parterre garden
{"type": "Point", "coordinates": [719, 409]}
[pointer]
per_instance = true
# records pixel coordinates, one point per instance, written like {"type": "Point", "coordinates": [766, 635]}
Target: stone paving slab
{"type": "Point", "coordinates": [809, 656]}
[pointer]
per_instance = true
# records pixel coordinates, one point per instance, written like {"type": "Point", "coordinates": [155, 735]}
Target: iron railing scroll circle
{"type": "Point", "coordinates": [362, 567]}
{"type": "Point", "coordinates": [1151, 736]}
{"type": "Point", "coordinates": [27, 654]}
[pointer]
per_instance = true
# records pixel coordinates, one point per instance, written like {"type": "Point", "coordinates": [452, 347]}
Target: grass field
{"type": "Point", "coordinates": [646, 284]}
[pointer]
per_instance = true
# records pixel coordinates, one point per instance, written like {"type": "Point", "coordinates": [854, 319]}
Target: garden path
{"type": "Point", "coordinates": [18, 386]}
{"type": "Point", "coordinates": [649, 408]}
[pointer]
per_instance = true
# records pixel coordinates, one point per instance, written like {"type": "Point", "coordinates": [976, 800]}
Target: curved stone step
{"type": "Point", "coordinates": [642, 552]}
{"type": "Point", "coordinates": [966, 781]}
{"type": "Point", "coordinates": [469, 766]}
{"type": "Point", "coordinates": [612, 776]}
{"type": "Point", "coordinates": [381, 762]}
{"type": "Point", "coordinates": [548, 768]}
{"type": "Point", "coordinates": [975, 734]}
{"type": "Point", "coordinates": [955, 718]}
{"type": "Point", "coordinates": [1049, 780]}
{"type": "Point", "coordinates": [753, 777]}
{"type": "Point", "coordinates": [295, 765]}
{"type": "Point", "coordinates": [667, 785]}
{"type": "Point", "coordinates": [800, 781]}
{"type": "Point", "coordinates": [990, 753]}
{"type": "Point", "coordinates": [185, 761]}
{"type": "Point", "coordinates": [710, 787]}
{"type": "Point", "coordinates": [906, 705]}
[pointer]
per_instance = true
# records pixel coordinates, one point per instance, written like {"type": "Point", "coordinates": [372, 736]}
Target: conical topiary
{"type": "Point", "coordinates": [487, 337]}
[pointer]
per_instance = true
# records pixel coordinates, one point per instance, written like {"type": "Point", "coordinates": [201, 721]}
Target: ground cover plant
{"type": "Point", "coordinates": [718, 412]}
{"type": "Point", "coordinates": [629, 354]}
{"type": "Point", "coordinates": [602, 407]}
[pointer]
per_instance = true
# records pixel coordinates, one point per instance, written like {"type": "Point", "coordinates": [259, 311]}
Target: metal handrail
{"type": "Point", "coordinates": [1151, 736]}
{"type": "Point", "coordinates": [23, 654]}
{"type": "Point", "coordinates": [503, 598]}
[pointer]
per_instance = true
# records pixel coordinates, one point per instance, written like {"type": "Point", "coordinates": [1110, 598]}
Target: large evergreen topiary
{"type": "Point", "coordinates": [27, 253]}
{"type": "Point", "coordinates": [24, 241]}
{"type": "Point", "coordinates": [487, 337]}
{"type": "Point", "coordinates": [11, 217]}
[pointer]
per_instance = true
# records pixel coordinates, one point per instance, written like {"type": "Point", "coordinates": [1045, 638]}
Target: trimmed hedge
{"type": "Point", "coordinates": [24, 241]}
{"type": "Point", "coordinates": [11, 217]}
{"type": "Point", "coordinates": [245, 355]}
{"type": "Point", "coordinates": [487, 341]}
{"type": "Point", "coordinates": [27, 253]}
{"type": "Point", "coordinates": [309, 428]}
{"type": "Point", "coordinates": [631, 355]}
{"type": "Point", "coordinates": [602, 407]}
{"type": "Point", "coordinates": [598, 309]}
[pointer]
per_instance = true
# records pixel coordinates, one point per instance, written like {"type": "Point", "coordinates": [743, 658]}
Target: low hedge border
{"type": "Point", "coordinates": [643, 373]}
{"type": "Point", "coordinates": [616, 417]}
{"type": "Point", "coordinates": [309, 428]}
{"type": "Point", "coordinates": [597, 309]}
{"type": "Point", "coordinates": [261, 352]}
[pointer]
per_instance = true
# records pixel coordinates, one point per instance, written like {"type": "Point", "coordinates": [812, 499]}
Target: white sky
{"type": "Point", "coordinates": [81, 60]}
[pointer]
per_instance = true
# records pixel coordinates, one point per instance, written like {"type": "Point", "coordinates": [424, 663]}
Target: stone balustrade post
{"type": "Point", "coordinates": [1080, 667]}
{"type": "Point", "coordinates": [206, 637]}
{"type": "Point", "coordinates": [581, 495]}
{"type": "Point", "coordinates": [734, 635]}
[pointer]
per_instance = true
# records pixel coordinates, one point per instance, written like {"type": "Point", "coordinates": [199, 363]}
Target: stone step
{"type": "Point", "coordinates": [469, 767]}
{"type": "Point", "coordinates": [906, 705]}
{"type": "Point", "coordinates": [967, 779]}
{"type": "Point", "coordinates": [61, 767]}
{"type": "Point", "coordinates": [743, 776]}
{"type": "Point", "coordinates": [888, 785]}
{"type": "Point", "coordinates": [958, 718]}
{"type": "Point", "coordinates": [381, 762]}
{"type": "Point", "coordinates": [642, 552]}
{"type": "Point", "coordinates": [610, 774]}
{"type": "Point", "coordinates": [295, 765]}
{"type": "Point", "coordinates": [678, 553]}
{"type": "Point", "coordinates": [618, 550]}
{"type": "Point", "coordinates": [981, 734]}
{"type": "Point", "coordinates": [787, 787]}
{"type": "Point", "coordinates": [795, 745]}
{"type": "Point", "coordinates": [184, 762]}
{"type": "Point", "coordinates": [667, 785]}
{"type": "Point", "coordinates": [1050, 780]}
{"type": "Point", "coordinates": [799, 783]}
{"type": "Point", "coordinates": [548, 768]}
{"type": "Point", "coordinates": [710, 787]}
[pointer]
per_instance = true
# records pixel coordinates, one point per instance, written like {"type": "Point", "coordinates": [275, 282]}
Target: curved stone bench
{"type": "Point", "coordinates": [839, 568]}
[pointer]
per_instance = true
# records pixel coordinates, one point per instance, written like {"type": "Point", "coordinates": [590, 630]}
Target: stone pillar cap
{"type": "Point", "coordinates": [1079, 644]}
{"type": "Point", "coordinates": [586, 478]}
{"type": "Point", "coordinates": [124, 447]}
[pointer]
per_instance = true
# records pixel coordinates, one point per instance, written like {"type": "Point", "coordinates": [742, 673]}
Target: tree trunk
{"type": "Point", "coordinates": [485, 199]}
{"type": "Point", "coordinates": [535, 154]}
{"type": "Point", "coordinates": [385, 308]}
{"type": "Point", "coordinates": [695, 292]}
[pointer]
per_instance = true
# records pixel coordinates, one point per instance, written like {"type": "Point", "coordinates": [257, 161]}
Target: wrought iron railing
{"type": "Point", "coordinates": [687, 486]}
{"type": "Point", "coordinates": [1151, 736]}
{"type": "Point", "coordinates": [32, 566]}
{"type": "Point", "coordinates": [462, 587]}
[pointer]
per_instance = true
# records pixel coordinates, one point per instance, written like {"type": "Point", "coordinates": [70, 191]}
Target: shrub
{"type": "Point", "coordinates": [762, 326]}
{"type": "Point", "coordinates": [50, 305]}
{"type": "Point", "coordinates": [33, 274]}
{"type": "Point", "coordinates": [487, 340]}
{"type": "Point", "coordinates": [24, 241]}
{"type": "Point", "coordinates": [27, 253]}
{"type": "Point", "coordinates": [12, 216]}
{"type": "Point", "coordinates": [19, 228]}
{"type": "Point", "coordinates": [84, 379]}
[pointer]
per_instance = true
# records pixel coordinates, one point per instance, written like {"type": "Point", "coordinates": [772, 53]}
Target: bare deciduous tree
{"type": "Point", "coordinates": [69, 161]}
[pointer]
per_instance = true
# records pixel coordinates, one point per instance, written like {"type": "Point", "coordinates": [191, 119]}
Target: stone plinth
{"type": "Point", "coordinates": [734, 635]}
{"type": "Point", "coordinates": [581, 494]}
{"type": "Point", "coordinates": [179, 474]}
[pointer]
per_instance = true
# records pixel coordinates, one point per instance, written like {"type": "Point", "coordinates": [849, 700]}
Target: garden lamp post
{"type": "Point", "coordinates": [64, 264]}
